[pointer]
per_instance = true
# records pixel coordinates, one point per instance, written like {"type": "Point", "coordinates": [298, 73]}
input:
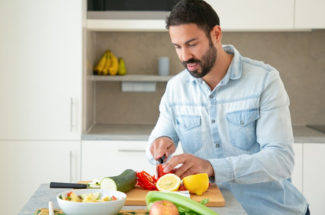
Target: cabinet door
{"type": "Point", "coordinates": [40, 69]}
{"type": "Point", "coordinates": [310, 14]}
{"type": "Point", "coordinates": [297, 171]}
{"type": "Point", "coordinates": [108, 158]}
{"type": "Point", "coordinates": [25, 165]}
{"type": "Point", "coordinates": [254, 14]}
{"type": "Point", "coordinates": [314, 177]}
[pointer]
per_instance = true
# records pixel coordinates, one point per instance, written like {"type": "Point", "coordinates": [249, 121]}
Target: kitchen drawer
{"type": "Point", "coordinates": [108, 158]}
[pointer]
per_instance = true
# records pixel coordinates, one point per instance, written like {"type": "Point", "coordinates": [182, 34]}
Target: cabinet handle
{"type": "Point", "coordinates": [72, 114]}
{"type": "Point", "coordinates": [131, 150]}
{"type": "Point", "coordinates": [70, 166]}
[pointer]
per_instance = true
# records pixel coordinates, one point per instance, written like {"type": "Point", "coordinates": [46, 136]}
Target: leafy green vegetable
{"type": "Point", "coordinates": [204, 201]}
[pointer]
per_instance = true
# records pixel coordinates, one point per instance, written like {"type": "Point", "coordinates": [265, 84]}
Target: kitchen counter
{"type": "Point", "coordinates": [44, 194]}
{"type": "Point", "coordinates": [302, 134]}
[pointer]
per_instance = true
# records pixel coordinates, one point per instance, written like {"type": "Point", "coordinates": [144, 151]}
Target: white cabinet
{"type": "Point", "coordinates": [309, 14]}
{"type": "Point", "coordinates": [40, 69]}
{"type": "Point", "coordinates": [234, 15]}
{"type": "Point", "coordinates": [297, 171]}
{"type": "Point", "coordinates": [314, 176]}
{"type": "Point", "coordinates": [25, 165]}
{"type": "Point", "coordinates": [246, 15]}
{"type": "Point", "coordinates": [254, 14]}
{"type": "Point", "coordinates": [108, 158]}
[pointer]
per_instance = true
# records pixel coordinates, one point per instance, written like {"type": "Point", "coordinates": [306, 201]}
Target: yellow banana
{"type": "Point", "coordinates": [105, 70]}
{"type": "Point", "coordinates": [121, 67]}
{"type": "Point", "coordinates": [113, 68]}
{"type": "Point", "coordinates": [100, 65]}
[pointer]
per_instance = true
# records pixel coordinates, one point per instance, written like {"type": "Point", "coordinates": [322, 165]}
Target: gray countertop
{"type": "Point", "coordinates": [44, 194]}
{"type": "Point", "coordinates": [302, 134]}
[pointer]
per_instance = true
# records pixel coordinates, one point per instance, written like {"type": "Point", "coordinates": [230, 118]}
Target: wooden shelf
{"type": "Point", "coordinates": [125, 25]}
{"type": "Point", "coordinates": [133, 78]}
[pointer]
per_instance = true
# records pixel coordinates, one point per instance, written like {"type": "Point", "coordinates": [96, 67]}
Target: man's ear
{"type": "Point", "coordinates": [216, 34]}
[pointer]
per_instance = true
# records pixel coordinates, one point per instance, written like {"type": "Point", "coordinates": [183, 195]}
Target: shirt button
{"type": "Point", "coordinates": [217, 145]}
{"type": "Point", "coordinates": [213, 121]}
{"type": "Point", "coordinates": [211, 96]}
{"type": "Point", "coordinates": [241, 122]}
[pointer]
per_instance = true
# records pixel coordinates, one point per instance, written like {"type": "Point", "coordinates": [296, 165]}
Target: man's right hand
{"type": "Point", "coordinates": [162, 146]}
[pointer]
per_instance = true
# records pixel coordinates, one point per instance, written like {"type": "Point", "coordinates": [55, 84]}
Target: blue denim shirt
{"type": "Point", "coordinates": [242, 127]}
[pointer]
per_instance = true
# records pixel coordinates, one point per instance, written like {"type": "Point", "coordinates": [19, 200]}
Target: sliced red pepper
{"type": "Point", "coordinates": [146, 181]}
{"type": "Point", "coordinates": [147, 185]}
{"type": "Point", "coordinates": [161, 172]}
{"type": "Point", "coordinates": [113, 198]}
{"type": "Point", "coordinates": [182, 187]}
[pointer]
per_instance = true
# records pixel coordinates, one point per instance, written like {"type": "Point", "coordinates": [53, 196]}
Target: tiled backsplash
{"type": "Point", "coordinates": [299, 56]}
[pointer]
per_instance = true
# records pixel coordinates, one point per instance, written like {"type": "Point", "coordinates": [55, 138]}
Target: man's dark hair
{"type": "Point", "coordinates": [193, 11]}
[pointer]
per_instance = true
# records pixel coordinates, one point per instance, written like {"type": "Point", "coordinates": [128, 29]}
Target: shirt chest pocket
{"type": "Point", "coordinates": [189, 132]}
{"type": "Point", "coordinates": [242, 128]}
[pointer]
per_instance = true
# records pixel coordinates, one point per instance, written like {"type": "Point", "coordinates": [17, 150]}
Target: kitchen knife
{"type": "Point", "coordinates": [161, 160]}
{"type": "Point", "coordinates": [67, 185]}
{"type": "Point", "coordinates": [159, 169]}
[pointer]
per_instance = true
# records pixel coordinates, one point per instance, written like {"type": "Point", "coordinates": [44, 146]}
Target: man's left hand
{"type": "Point", "coordinates": [190, 165]}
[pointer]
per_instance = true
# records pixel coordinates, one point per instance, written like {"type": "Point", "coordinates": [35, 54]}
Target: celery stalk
{"type": "Point", "coordinates": [180, 202]}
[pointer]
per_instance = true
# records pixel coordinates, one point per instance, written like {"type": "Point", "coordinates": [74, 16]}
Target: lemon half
{"type": "Point", "coordinates": [197, 183]}
{"type": "Point", "coordinates": [168, 182]}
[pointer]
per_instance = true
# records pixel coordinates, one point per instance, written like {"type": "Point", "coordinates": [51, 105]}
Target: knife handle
{"type": "Point", "coordinates": [161, 160]}
{"type": "Point", "coordinates": [67, 185]}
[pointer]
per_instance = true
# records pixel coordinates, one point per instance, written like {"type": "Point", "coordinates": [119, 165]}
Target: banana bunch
{"type": "Point", "coordinates": [109, 64]}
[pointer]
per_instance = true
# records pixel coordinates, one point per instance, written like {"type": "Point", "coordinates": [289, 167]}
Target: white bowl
{"type": "Point", "coordinates": [92, 208]}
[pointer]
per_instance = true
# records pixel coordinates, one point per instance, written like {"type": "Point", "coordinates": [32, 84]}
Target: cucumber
{"type": "Point", "coordinates": [123, 182]}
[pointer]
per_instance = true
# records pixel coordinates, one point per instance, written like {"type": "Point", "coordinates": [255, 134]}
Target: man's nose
{"type": "Point", "coordinates": [186, 54]}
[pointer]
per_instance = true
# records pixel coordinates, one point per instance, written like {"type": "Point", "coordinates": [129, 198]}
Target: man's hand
{"type": "Point", "coordinates": [162, 146]}
{"type": "Point", "coordinates": [190, 165]}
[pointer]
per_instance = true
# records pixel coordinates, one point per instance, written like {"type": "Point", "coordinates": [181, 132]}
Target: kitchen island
{"type": "Point", "coordinates": [44, 194]}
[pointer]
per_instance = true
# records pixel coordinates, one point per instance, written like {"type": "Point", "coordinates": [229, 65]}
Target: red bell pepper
{"type": "Point", "coordinates": [161, 172]}
{"type": "Point", "coordinates": [146, 181]}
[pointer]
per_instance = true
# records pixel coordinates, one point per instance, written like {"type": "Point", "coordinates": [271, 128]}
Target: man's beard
{"type": "Point", "coordinates": [206, 64]}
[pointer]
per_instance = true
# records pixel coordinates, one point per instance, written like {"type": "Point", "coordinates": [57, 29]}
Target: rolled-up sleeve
{"type": "Point", "coordinates": [164, 126]}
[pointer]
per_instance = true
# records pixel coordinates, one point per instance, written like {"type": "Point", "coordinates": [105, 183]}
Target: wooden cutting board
{"type": "Point", "coordinates": [137, 196]}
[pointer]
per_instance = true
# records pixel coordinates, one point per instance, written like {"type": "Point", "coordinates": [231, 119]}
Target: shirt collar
{"type": "Point", "coordinates": [235, 67]}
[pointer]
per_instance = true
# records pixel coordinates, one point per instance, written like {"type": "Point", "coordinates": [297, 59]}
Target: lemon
{"type": "Point", "coordinates": [197, 183]}
{"type": "Point", "coordinates": [168, 182]}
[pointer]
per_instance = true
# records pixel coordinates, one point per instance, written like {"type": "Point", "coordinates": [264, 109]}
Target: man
{"type": "Point", "coordinates": [231, 115]}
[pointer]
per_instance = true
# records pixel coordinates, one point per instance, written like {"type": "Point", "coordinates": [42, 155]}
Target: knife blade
{"type": "Point", "coordinates": [67, 185]}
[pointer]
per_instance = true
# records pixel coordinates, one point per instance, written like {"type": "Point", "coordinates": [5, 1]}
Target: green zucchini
{"type": "Point", "coordinates": [182, 203]}
{"type": "Point", "coordinates": [123, 182]}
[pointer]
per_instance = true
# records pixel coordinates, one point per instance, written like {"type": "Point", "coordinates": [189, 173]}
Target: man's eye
{"type": "Point", "coordinates": [192, 44]}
